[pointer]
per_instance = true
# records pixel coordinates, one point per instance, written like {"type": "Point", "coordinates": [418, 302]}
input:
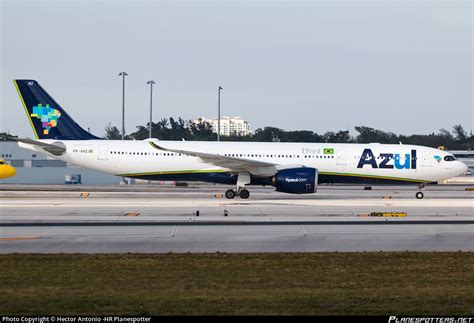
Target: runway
{"type": "Point", "coordinates": [198, 219]}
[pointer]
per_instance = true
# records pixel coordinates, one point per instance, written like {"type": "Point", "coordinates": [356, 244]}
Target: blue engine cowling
{"type": "Point", "coordinates": [301, 180]}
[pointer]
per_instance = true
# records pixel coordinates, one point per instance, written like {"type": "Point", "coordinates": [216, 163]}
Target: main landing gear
{"type": "Point", "coordinates": [243, 194]}
{"type": "Point", "coordinates": [420, 195]}
{"type": "Point", "coordinates": [242, 179]}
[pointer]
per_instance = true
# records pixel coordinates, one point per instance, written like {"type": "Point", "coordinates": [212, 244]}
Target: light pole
{"type": "Point", "coordinates": [123, 74]}
{"type": "Point", "coordinates": [151, 82]}
{"type": "Point", "coordinates": [219, 113]}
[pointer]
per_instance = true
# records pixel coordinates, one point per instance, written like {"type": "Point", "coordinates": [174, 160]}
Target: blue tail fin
{"type": "Point", "coordinates": [47, 118]}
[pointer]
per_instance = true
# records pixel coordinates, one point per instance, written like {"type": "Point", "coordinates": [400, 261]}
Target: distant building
{"type": "Point", "coordinates": [229, 126]}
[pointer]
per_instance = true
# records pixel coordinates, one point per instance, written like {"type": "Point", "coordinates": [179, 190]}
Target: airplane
{"type": "Point", "coordinates": [6, 170]}
{"type": "Point", "coordinates": [296, 168]}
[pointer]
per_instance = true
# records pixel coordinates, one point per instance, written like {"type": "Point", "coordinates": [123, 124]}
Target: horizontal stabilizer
{"type": "Point", "coordinates": [56, 149]}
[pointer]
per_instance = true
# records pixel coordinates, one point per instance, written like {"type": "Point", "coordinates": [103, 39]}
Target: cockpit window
{"type": "Point", "coordinates": [449, 158]}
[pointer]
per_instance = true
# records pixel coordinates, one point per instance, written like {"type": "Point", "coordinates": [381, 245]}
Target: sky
{"type": "Point", "coordinates": [399, 66]}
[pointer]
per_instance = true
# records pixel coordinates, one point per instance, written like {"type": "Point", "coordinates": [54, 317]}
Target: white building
{"type": "Point", "coordinates": [229, 126]}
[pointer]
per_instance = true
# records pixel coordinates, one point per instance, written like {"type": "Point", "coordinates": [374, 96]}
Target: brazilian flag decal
{"type": "Point", "coordinates": [328, 151]}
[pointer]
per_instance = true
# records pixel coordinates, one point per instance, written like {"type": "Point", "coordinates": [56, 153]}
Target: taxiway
{"type": "Point", "coordinates": [198, 219]}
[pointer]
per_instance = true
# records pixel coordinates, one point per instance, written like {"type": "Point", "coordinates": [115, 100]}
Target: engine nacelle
{"type": "Point", "coordinates": [301, 180]}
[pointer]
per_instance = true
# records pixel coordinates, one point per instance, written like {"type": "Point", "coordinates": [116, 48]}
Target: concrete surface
{"type": "Point", "coordinates": [150, 219]}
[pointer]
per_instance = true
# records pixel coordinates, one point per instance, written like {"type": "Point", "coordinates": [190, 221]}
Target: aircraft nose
{"type": "Point", "coordinates": [462, 168]}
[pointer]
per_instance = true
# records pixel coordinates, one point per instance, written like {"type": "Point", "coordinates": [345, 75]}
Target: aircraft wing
{"type": "Point", "coordinates": [255, 167]}
{"type": "Point", "coordinates": [55, 149]}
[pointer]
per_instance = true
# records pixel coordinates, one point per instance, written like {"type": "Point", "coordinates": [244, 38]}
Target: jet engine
{"type": "Point", "coordinates": [301, 180]}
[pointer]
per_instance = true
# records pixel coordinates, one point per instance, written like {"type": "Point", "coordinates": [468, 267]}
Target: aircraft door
{"type": "Point", "coordinates": [103, 152]}
{"type": "Point", "coordinates": [340, 159]}
{"type": "Point", "coordinates": [427, 159]}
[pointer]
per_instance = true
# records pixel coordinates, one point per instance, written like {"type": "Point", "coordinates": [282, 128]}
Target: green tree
{"type": "Point", "coordinates": [337, 137]}
{"type": "Point", "coordinates": [5, 136]}
{"type": "Point", "coordinates": [201, 130]}
{"type": "Point", "coordinates": [268, 134]}
{"type": "Point", "coordinates": [177, 129]}
{"type": "Point", "coordinates": [459, 134]}
{"type": "Point", "coordinates": [112, 132]}
{"type": "Point", "coordinates": [368, 135]}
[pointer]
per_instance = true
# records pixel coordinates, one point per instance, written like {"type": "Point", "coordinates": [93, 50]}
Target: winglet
{"type": "Point", "coordinates": [156, 146]}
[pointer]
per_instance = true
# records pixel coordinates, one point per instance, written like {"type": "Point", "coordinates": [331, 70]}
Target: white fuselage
{"type": "Point", "coordinates": [138, 158]}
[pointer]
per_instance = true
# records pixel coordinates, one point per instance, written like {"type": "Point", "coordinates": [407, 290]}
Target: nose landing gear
{"type": "Point", "coordinates": [420, 195]}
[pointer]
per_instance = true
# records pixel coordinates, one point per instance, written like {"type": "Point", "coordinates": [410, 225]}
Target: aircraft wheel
{"type": "Point", "coordinates": [230, 194]}
{"type": "Point", "coordinates": [419, 195]}
{"type": "Point", "coordinates": [244, 194]}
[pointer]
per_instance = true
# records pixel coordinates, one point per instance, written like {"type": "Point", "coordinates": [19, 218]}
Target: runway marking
{"type": "Point", "coordinates": [175, 230]}
{"type": "Point", "coordinates": [186, 203]}
{"type": "Point", "coordinates": [375, 221]}
{"type": "Point", "coordinates": [287, 233]}
{"type": "Point", "coordinates": [302, 230]}
{"type": "Point", "coordinates": [19, 238]}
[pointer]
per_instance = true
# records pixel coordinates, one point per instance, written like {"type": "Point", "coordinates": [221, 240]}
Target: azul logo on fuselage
{"type": "Point", "coordinates": [368, 158]}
